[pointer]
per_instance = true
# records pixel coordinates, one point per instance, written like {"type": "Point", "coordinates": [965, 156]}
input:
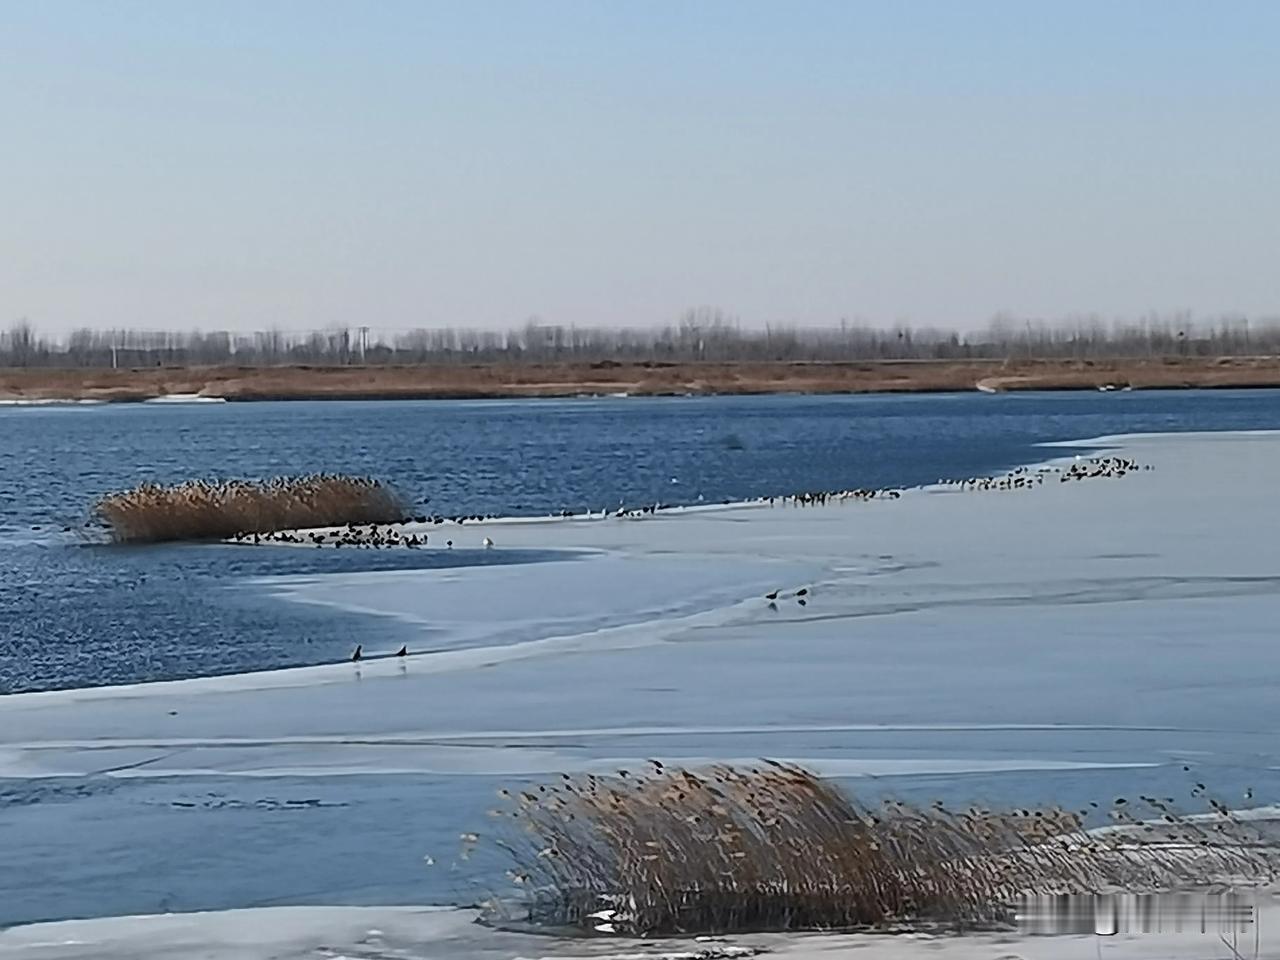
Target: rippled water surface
{"type": "Point", "coordinates": [75, 614]}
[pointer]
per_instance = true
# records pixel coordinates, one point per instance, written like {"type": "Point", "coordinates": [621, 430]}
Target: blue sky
{"type": "Point", "coordinates": [402, 164]}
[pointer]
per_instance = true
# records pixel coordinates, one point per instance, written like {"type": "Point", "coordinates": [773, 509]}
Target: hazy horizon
{"type": "Point", "coordinates": [299, 166]}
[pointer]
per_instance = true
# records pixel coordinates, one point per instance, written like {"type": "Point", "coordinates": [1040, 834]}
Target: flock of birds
{"type": "Point", "coordinates": [810, 498]}
{"type": "Point", "coordinates": [386, 535]}
{"type": "Point", "coordinates": [1084, 468]}
{"type": "Point", "coordinates": [367, 535]}
{"type": "Point", "coordinates": [390, 535]}
{"type": "Point", "coordinates": [820, 498]}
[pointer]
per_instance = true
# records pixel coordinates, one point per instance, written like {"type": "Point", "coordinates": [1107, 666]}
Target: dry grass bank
{"type": "Point", "coordinates": [640, 379]}
{"type": "Point", "coordinates": [202, 510]}
{"type": "Point", "coordinates": [775, 848]}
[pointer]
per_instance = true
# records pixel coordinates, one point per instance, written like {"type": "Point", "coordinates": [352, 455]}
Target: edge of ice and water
{"type": "Point", "coordinates": [462, 659]}
{"type": "Point", "coordinates": [262, 932]}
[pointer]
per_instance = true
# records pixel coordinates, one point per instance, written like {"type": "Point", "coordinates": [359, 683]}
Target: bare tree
{"type": "Point", "coordinates": [701, 334]}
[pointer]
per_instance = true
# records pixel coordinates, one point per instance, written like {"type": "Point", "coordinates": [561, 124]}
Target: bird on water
{"type": "Point", "coordinates": [403, 651]}
{"type": "Point", "coordinates": [358, 655]}
{"type": "Point", "coordinates": [771, 596]}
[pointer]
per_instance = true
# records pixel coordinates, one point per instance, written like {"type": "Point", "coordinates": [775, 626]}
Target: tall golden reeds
{"type": "Point", "coordinates": [206, 510]}
{"type": "Point", "coordinates": [667, 851]}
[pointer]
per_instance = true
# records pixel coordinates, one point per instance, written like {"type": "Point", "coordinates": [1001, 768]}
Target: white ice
{"type": "Point", "coordinates": [1100, 628]}
{"type": "Point", "coordinates": [409, 933]}
{"type": "Point", "coordinates": [170, 398]}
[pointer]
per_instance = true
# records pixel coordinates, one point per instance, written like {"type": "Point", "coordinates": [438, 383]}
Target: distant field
{"type": "Point", "coordinates": [639, 379]}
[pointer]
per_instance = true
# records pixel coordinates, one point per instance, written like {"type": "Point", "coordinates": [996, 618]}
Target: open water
{"type": "Point", "coordinates": [77, 613]}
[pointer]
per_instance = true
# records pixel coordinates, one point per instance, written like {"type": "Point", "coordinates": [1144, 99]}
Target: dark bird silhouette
{"type": "Point", "coordinates": [802, 601]}
{"type": "Point", "coordinates": [771, 596]}
{"type": "Point", "coordinates": [802, 591]}
{"type": "Point", "coordinates": [358, 655]}
{"type": "Point", "coordinates": [403, 651]}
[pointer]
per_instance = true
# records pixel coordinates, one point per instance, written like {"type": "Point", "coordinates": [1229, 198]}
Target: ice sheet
{"type": "Point", "coordinates": [1062, 643]}
{"type": "Point", "coordinates": [388, 933]}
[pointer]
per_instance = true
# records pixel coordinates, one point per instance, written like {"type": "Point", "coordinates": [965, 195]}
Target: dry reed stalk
{"type": "Point", "coordinates": [774, 848]}
{"type": "Point", "coordinates": [208, 510]}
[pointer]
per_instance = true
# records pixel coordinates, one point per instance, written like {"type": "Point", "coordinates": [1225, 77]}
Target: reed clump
{"type": "Point", "coordinates": [665, 851]}
{"type": "Point", "coordinates": [207, 510]}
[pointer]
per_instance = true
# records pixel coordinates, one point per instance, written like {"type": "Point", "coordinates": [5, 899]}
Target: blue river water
{"type": "Point", "coordinates": [76, 613]}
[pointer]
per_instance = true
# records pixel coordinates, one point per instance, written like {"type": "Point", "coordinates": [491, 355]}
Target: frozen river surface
{"type": "Point", "coordinates": [1072, 642]}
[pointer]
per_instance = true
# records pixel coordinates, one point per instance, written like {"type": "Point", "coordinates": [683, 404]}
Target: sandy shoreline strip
{"type": "Point", "coordinates": [33, 386]}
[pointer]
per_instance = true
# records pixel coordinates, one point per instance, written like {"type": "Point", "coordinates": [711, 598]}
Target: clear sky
{"type": "Point", "coordinates": [243, 165]}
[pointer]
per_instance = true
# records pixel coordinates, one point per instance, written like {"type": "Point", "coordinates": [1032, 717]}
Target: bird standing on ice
{"type": "Point", "coordinates": [487, 543]}
{"type": "Point", "coordinates": [356, 657]}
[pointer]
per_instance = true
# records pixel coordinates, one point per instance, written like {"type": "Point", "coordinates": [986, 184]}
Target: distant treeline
{"type": "Point", "coordinates": [700, 335]}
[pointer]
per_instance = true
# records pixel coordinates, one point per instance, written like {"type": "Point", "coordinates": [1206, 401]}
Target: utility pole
{"type": "Point", "coordinates": [364, 342]}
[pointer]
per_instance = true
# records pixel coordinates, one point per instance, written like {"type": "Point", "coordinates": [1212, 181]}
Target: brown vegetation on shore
{"type": "Point", "coordinates": [666, 851]}
{"type": "Point", "coordinates": [564, 379]}
{"type": "Point", "coordinates": [203, 510]}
